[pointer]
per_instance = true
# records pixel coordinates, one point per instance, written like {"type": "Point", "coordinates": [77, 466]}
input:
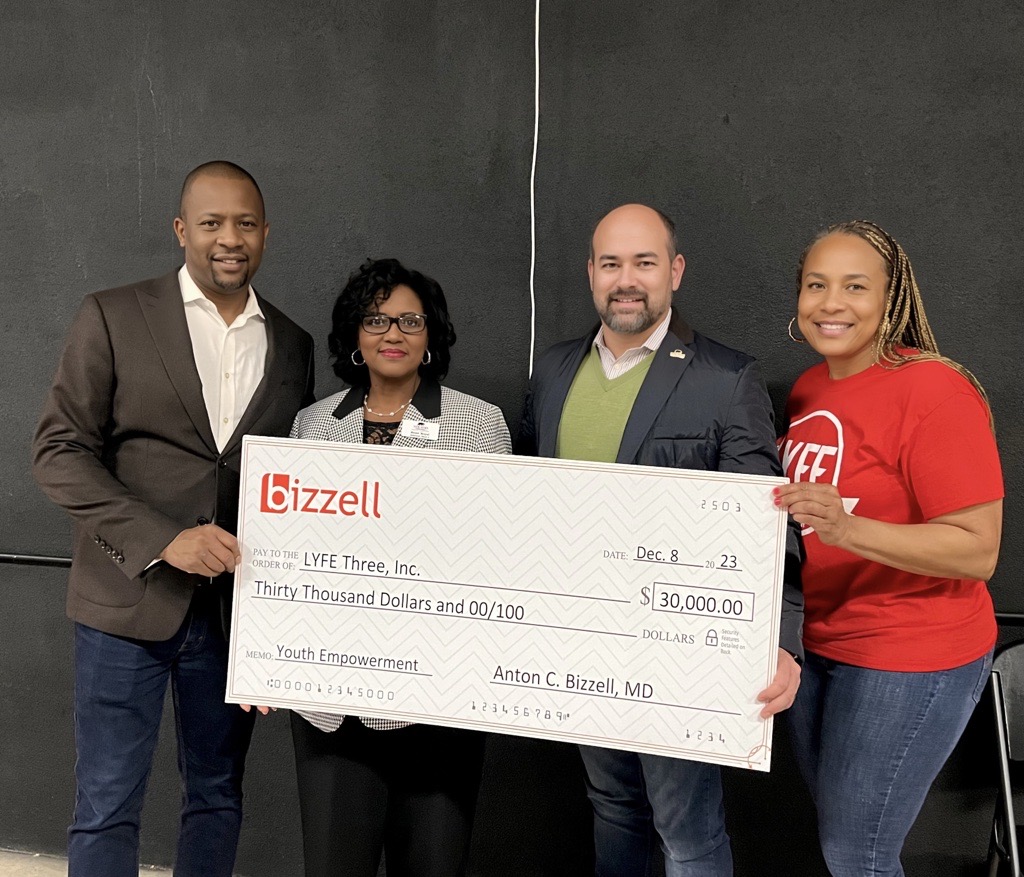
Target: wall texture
{"type": "Point", "coordinates": [405, 129]}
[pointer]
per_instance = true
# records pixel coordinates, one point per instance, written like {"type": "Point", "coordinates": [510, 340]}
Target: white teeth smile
{"type": "Point", "coordinates": [833, 327]}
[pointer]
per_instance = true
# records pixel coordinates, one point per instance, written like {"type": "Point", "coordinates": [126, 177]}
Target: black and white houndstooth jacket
{"type": "Point", "coordinates": [465, 423]}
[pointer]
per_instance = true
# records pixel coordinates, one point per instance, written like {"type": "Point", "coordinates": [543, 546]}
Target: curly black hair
{"type": "Point", "coordinates": [366, 288]}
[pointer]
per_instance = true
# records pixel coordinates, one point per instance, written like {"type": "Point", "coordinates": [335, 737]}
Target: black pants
{"type": "Point", "coordinates": [410, 792]}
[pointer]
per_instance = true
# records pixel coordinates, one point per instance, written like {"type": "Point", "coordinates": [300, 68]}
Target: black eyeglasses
{"type": "Point", "coordinates": [408, 324]}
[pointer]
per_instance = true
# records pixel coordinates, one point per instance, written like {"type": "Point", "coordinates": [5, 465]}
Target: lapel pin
{"type": "Point", "coordinates": [678, 354]}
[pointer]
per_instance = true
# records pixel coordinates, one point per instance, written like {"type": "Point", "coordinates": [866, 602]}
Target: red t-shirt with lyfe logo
{"type": "Point", "coordinates": [903, 445]}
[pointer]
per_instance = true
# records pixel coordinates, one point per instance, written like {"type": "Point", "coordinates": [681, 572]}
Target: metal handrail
{"type": "Point", "coordinates": [35, 560]}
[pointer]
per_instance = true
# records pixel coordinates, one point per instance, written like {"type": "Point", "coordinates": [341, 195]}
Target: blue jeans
{"type": "Point", "coordinates": [633, 795]}
{"type": "Point", "coordinates": [119, 695]}
{"type": "Point", "coordinates": [869, 744]}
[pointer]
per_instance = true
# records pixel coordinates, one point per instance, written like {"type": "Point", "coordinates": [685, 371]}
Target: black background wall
{"type": "Point", "coordinates": [406, 129]}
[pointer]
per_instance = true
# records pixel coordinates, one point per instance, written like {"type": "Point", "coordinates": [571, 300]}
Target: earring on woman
{"type": "Point", "coordinates": [791, 335]}
{"type": "Point", "coordinates": [426, 358]}
{"type": "Point", "coordinates": [353, 358]}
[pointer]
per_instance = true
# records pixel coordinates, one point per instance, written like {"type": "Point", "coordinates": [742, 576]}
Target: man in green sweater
{"type": "Point", "coordinates": [644, 388]}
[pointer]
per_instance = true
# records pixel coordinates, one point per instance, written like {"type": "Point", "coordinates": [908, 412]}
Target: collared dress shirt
{"type": "Point", "coordinates": [230, 359]}
{"type": "Point", "coordinates": [614, 368]}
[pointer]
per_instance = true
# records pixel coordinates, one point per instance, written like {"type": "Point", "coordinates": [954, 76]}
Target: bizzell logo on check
{"type": "Point", "coordinates": [280, 493]}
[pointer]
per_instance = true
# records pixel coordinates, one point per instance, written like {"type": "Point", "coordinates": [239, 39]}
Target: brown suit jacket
{"type": "Point", "coordinates": [124, 444]}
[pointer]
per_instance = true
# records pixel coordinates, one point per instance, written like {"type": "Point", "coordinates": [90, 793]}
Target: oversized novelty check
{"type": "Point", "coordinates": [623, 606]}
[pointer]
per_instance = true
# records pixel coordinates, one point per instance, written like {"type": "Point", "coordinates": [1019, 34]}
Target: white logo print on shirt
{"type": "Point", "coordinates": [816, 463]}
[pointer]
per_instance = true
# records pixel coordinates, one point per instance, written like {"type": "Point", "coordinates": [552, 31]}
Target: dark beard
{"type": "Point", "coordinates": [628, 325]}
{"type": "Point", "coordinates": [234, 285]}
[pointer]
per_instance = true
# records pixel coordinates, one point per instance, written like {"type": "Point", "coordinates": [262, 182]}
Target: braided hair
{"type": "Point", "coordinates": [904, 323]}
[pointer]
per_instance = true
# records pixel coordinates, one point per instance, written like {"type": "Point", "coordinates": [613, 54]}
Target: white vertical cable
{"type": "Point", "coordinates": [533, 182]}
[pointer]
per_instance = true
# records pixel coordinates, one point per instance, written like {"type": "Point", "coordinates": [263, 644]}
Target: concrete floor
{"type": "Point", "coordinates": [14, 864]}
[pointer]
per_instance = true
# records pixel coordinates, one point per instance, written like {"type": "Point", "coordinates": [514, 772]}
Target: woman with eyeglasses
{"type": "Point", "coordinates": [368, 785]}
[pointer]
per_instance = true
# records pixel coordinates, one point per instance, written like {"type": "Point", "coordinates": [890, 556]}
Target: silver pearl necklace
{"type": "Point", "coordinates": [369, 410]}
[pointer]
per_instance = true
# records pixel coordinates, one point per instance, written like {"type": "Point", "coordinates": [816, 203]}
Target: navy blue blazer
{"type": "Point", "coordinates": [704, 408]}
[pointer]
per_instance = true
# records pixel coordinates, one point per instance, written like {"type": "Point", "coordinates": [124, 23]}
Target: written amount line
{"type": "Point", "coordinates": [446, 615]}
{"type": "Point", "coordinates": [363, 575]}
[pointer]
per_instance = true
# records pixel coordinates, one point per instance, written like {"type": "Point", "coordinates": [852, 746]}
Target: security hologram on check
{"type": "Point", "coordinates": [619, 606]}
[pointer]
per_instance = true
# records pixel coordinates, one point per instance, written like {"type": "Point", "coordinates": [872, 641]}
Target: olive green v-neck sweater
{"type": "Point", "coordinates": [596, 410]}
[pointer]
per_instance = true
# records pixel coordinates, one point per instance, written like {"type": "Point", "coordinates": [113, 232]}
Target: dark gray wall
{"type": "Point", "coordinates": [405, 129]}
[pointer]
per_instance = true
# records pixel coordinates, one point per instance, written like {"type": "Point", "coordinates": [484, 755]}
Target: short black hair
{"type": "Point", "coordinates": [365, 289]}
{"type": "Point", "coordinates": [219, 169]}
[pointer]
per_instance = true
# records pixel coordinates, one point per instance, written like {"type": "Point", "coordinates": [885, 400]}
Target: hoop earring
{"type": "Point", "coordinates": [792, 336]}
{"type": "Point", "coordinates": [426, 358]}
{"type": "Point", "coordinates": [353, 358]}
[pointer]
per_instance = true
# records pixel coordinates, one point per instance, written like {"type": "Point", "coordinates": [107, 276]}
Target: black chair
{"type": "Point", "coordinates": [1007, 686]}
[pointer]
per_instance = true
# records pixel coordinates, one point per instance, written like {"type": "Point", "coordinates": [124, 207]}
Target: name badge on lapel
{"type": "Point", "coordinates": [420, 429]}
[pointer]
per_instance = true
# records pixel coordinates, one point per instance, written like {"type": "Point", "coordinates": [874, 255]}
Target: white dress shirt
{"type": "Point", "coordinates": [615, 368]}
{"type": "Point", "coordinates": [230, 359]}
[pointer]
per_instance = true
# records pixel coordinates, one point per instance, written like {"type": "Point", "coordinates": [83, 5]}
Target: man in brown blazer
{"type": "Point", "coordinates": [140, 441]}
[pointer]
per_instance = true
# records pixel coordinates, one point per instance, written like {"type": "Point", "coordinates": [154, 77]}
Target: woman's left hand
{"type": "Point", "coordinates": [262, 710]}
{"type": "Point", "coordinates": [815, 505]}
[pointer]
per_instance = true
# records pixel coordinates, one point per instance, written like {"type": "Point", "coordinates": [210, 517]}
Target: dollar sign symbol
{"type": "Point", "coordinates": [645, 596]}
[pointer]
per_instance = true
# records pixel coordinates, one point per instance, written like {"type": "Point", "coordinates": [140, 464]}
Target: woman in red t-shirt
{"type": "Point", "coordinates": [897, 484]}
